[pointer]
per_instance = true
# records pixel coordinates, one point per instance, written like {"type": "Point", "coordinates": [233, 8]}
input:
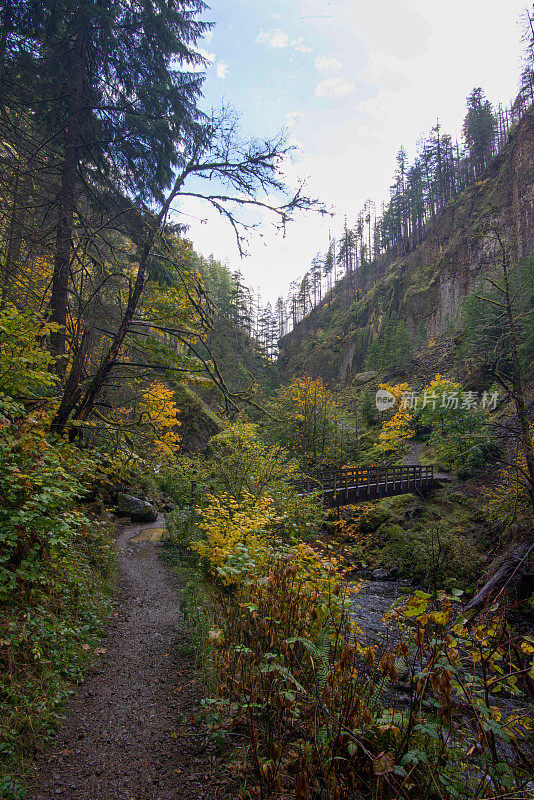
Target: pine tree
{"type": "Point", "coordinates": [112, 78]}
{"type": "Point", "coordinates": [281, 318]}
{"type": "Point", "coordinates": [479, 130]}
{"type": "Point", "coordinates": [329, 263]}
{"type": "Point", "coordinates": [317, 278]}
{"type": "Point", "coordinates": [345, 255]}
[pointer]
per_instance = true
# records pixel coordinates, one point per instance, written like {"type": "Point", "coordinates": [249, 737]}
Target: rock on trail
{"type": "Point", "coordinates": [127, 733]}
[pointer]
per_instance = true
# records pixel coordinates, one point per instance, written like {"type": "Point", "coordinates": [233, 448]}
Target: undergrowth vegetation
{"type": "Point", "coordinates": [56, 564]}
{"type": "Point", "coordinates": [299, 701]}
{"type": "Point", "coordinates": [450, 420]}
{"type": "Point", "coordinates": [56, 544]}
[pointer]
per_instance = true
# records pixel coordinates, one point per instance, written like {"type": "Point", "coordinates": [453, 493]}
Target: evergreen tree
{"type": "Point", "coordinates": [329, 263]}
{"type": "Point", "coordinates": [281, 318]}
{"type": "Point", "coordinates": [317, 278]}
{"type": "Point", "coordinates": [345, 255]}
{"type": "Point", "coordinates": [479, 130]}
{"type": "Point", "coordinates": [112, 79]}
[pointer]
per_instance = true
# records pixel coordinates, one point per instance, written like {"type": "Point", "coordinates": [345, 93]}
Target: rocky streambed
{"type": "Point", "coordinates": [370, 601]}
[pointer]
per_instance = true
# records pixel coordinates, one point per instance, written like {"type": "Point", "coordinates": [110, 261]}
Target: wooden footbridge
{"type": "Point", "coordinates": [356, 484]}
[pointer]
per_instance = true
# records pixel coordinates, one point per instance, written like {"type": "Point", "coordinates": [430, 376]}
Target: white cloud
{"type": "Point", "coordinates": [334, 87]}
{"type": "Point", "coordinates": [390, 89]}
{"type": "Point", "coordinates": [277, 39]}
{"type": "Point", "coordinates": [222, 69]}
{"type": "Point", "coordinates": [326, 64]}
{"type": "Point", "coordinates": [299, 46]}
{"type": "Point", "coordinates": [280, 39]}
{"type": "Point", "coordinates": [292, 117]}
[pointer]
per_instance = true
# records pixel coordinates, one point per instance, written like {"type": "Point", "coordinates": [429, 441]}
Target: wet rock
{"type": "Point", "coordinates": [370, 603]}
{"type": "Point", "coordinates": [379, 574]}
{"type": "Point", "coordinates": [138, 510]}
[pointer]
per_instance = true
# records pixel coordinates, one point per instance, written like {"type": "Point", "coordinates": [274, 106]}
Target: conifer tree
{"type": "Point", "coordinates": [345, 254]}
{"type": "Point", "coordinates": [120, 96]}
{"type": "Point", "coordinates": [329, 263]}
{"type": "Point", "coordinates": [479, 130]}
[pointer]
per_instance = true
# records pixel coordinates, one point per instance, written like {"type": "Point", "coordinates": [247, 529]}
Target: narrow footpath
{"type": "Point", "coordinates": [128, 732]}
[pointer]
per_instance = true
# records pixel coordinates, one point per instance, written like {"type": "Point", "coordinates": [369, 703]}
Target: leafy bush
{"type": "Point", "coordinates": [24, 362]}
{"type": "Point", "coordinates": [305, 418]}
{"type": "Point", "coordinates": [243, 463]}
{"type": "Point", "coordinates": [315, 711]}
{"type": "Point", "coordinates": [437, 555]}
{"type": "Point", "coordinates": [397, 431]}
{"type": "Point", "coordinates": [459, 435]}
{"type": "Point", "coordinates": [55, 562]}
{"type": "Point", "coordinates": [186, 479]}
{"type": "Point", "coordinates": [235, 537]}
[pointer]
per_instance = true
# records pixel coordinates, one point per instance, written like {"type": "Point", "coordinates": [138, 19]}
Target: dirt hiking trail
{"type": "Point", "coordinates": [127, 732]}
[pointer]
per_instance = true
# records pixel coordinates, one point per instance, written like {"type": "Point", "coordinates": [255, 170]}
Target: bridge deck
{"type": "Point", "coordinates": [356, 484]}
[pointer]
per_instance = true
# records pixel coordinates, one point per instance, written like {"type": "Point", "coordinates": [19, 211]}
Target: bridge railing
{"type": "Point", "coordinates": [351, 484]}
{"type": "Point", "coordinates": [372, 474]}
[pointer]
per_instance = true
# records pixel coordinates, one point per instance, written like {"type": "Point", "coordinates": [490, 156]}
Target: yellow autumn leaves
{"type": "Point", "coordinates": [159, 412]}
{"type": "Point", "coordinates": [398, 429]}
{"type": "Point", "coordinates": [229, 525]}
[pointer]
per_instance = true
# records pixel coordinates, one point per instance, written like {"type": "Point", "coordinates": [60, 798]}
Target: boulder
{"type": "Point", "coordinates": [388, 531]}
{"type": "Point", "coordinates": [373, 519]}
{"type": "Point", "coordinates": [380, 575]}
{"type": "Point", "coordinates": [385, 574]}
{"type": "Point", "coordinates": [400, 505]}
{"type": "Point", "coordinates": [138, 510]}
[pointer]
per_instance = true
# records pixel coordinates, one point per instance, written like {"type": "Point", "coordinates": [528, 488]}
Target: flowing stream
{"type": "Point", "coordinates": [370, 603]}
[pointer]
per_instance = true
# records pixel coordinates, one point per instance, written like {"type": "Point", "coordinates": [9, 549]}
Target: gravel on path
{"type": "Point", "coordinates": [129, 730]}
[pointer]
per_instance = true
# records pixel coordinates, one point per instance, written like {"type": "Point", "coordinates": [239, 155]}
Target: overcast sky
{"type": "Point", "coordinates": [351, 81]}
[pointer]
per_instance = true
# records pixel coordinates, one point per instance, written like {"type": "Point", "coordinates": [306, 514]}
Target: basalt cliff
{"type": "Point", "coordinates": [423, 287]}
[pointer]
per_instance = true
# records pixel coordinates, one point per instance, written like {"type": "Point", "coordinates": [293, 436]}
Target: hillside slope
{"type": "Point", "coordinates": [423, 289]}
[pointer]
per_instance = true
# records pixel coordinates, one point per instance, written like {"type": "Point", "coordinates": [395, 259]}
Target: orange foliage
{"type": "Point", "coordinates": [158, 410]}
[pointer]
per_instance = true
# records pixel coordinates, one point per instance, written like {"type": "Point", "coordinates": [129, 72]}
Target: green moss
{"type": "Point", "coordinates": [399, 502]}
{"type": "Point", "coordinates": [389, 530]}
{"type": "Point", "coordinates": [435, 554]}
{"type": "Point", "coordinates": [374, 519]}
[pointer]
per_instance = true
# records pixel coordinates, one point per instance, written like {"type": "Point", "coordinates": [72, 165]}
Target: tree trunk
{"type": "Point", "coordinates": [14, 243]}
{"type": "Point", "coordinates": [71, 393]}
{"type": "Point", "coordinates": [509, 572]}
{"type": "Point", "coordinates": [6, 25]}
{"type": "Point", "coordinates": [99, 379]}
{"type": "Point", "coordinates": [88, 401]}
{"type": "Point", "coordinates": [60, 280]}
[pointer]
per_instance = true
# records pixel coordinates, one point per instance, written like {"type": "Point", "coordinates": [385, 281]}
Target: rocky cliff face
{"type": "Point", "coordinates": [424, 288]}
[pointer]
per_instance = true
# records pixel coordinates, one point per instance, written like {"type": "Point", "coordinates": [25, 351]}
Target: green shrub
{"type": "Point", "coordinates": [186, 479]}
{"type": "Point", "coordinates": [373, 519]}
{"type": "Point", "coordinates": [49, 628]}
{"type": "Point", "coordinates": [436, 555]}
{"type": "Point", "coordinates": [181, 532]}
{"type": "Point", "coordinates": [55, 566]}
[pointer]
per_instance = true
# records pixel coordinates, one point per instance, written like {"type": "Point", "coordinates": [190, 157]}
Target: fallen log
{"type": "Point", "coordinates": [509, 573]}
